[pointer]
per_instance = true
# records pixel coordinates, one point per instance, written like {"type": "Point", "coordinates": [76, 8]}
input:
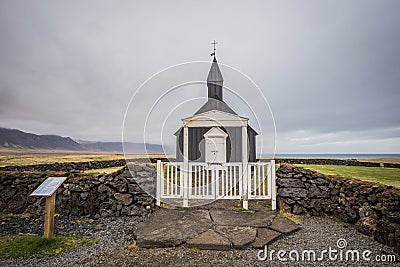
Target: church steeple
{"type": "Point", "coordinates": [215, 80]}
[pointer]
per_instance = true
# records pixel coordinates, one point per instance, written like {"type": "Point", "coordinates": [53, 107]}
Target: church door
{"type": "Point", "coordinates": [215, 146]}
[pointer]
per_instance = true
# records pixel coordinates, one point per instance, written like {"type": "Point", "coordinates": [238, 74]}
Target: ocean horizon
{"type": "Point", "coordinates": [338, 156]}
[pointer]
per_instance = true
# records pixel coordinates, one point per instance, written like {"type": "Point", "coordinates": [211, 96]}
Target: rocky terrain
{"type": "Point", "coordinates": [83, 194]}
{"type": "Point", "coordinates": [374, 209]}
{"type": "Point", "coordinates": [116, 246]}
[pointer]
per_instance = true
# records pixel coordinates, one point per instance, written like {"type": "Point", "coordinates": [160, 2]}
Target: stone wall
{"type": "Point", "coordinates": [344, 162]}
{"type": "Point", "coordinates": [82, 194]}
{"type": "Point", "coordinates": [75, 166]}
{"type": "Point", "coordinates": [82, 166]}
{"type": "Point", "coordinates": [373, 209]}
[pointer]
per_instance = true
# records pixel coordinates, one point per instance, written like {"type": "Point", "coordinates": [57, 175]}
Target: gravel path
{"type": "Point", "coordinates": [116, 235]}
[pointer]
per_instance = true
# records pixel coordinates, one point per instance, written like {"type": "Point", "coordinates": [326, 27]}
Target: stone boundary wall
{"type": "Point", "coordinates": [82, 166]}
{"type": "Point", "coordinates": [373, 209]}
{"type": "Point", "coordinates": [93, 195]}
{"type": "Point", "coordinates": [75, 166]}
{"type": "Point", "coordinates": [345, 162]}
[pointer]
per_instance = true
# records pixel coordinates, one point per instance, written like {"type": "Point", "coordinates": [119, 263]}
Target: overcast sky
{"type": "Point", "coordinates": [329, 69]}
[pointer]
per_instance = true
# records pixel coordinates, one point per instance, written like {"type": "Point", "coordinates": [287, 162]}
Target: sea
{"type": "Point", "coordinates": [337, 156]}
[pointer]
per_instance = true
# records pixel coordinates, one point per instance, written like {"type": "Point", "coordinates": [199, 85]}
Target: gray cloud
{"type": "Point", "coordinates": [330, 70]}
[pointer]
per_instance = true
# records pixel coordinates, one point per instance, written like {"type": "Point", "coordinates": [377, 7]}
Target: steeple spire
{"type": "Point", "coordinates": [213, 53]}
{"type": "Point", "coordinates": [214, 79]}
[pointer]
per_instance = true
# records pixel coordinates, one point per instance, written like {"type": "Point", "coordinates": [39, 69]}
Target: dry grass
{"type": "Point", "coordinates": [12, 215]}
{"type": "Point", "coordinates": [20, 159]}
{"type": "Point", "coordinates": [105, 170]}
{"type": "Point", "coordinates": [293, 217]}
{"type": "Point", "coordinates": [30, 159]}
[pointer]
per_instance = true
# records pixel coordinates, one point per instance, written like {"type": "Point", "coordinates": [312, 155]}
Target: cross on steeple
{"type": "Point", "coordinates": [214, 79]}
{"type": "Point", "coordinates": [214, 43]}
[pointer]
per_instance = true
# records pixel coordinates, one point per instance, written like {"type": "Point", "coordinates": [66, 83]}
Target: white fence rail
{"type": "Point", "coordinates": [216, 182]}
{"type": "Point", "coordinates": [207, 182]}
{"type": "Point", "coordinates": [171, 186]}
{"type": "Point", "coordinates": [261, 180]}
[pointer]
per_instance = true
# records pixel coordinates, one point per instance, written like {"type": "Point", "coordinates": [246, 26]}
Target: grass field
{"type": "Point", "coordinates": [43, 158]}
{"type": "Point", "coordinates": [30, 159]}
{"type": "Point", "coordinates": [388, 176]}
{"type": "Point", "coordinates": [37, 246]}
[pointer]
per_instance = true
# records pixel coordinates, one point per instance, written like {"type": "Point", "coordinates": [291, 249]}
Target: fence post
{"type": "Point", "coordinates": [214, 178]}
{"type": "Point", "coordinates": [159, 181]}
{"type": "Point", "coordinates": [273, 185]}
{"type": "Point", "coordinates": [185, 166]}
{"type": "Point", "coordinates": [240, 172]}
{"type": "Point", "coordinates": [245, 162]}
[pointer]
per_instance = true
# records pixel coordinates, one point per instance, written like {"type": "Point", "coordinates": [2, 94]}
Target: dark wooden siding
{"type": "Point", "coordinates": [179, 145]}
{"type": "Point", "coordinates": [251, 135]}
{"type": "Point", "coordinates": [196, 143]}
{"type": "Point", "coordinates": [233, 144]}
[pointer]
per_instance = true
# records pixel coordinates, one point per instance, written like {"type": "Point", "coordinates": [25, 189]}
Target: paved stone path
{"type": "Point", "coordinates": [218, 226]}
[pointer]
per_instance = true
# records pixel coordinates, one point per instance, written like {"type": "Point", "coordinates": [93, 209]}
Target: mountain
{"type": "Point", "coordinates": [14, 139]}
{"type": "Point", "coordinates": [116, 147]}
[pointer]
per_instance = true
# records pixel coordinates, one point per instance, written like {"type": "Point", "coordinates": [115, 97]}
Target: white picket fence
{"type": "Point", "coordinates": [202, 181]}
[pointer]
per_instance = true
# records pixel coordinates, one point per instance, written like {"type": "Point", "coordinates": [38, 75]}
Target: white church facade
{"type": "Point", "coordinates": [236, 140]}
{"type": "Point", "coordinates": [215, 156]}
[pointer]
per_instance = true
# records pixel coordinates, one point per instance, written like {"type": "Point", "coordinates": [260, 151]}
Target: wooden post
{"type": "Point", "coordinates": [48, 189]}
{"type": "Point", "coordinates": [273, 185]}
{"type": "Point", "coordinates": [185, 166]}
{"type": "Point", "coordinates": [49, 216]}
{"type": "Point", "coordinates": [245, 169]}
{"type": "Point", "coordinates": [160, 184]}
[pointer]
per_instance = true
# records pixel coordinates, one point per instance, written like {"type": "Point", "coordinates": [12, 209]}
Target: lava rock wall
{"type": "Point", "coordinates": [373, 209]}
{"type": "Point", "coordinates": [81, 194]}
{"type": "Point", "coordinates": [343, 162]}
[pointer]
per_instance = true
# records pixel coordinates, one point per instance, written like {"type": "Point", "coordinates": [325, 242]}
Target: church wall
{"type": "Point", "coordinates": [233, 144]}
{"type": "Point", "coordinates": [179, 146]}
{"type": "Point", "coordinates": [252, 145]}
{"type": "Point", "coordinates": [196, 137]}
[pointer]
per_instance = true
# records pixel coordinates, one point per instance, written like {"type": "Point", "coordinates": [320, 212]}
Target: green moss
{"type": "Point", "coordinates": [36, 246]}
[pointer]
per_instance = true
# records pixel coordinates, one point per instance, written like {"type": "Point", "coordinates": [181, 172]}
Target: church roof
{"type": "Point", "coordinates": [215, 75]}
{"type": "Point", "coordinates": [215, 78]}
{"type": "Point", "coordinates": [214, 104]}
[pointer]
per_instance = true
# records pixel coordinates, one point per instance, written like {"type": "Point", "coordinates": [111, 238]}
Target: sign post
{"type": "Point", "coordinates": [48, 189]}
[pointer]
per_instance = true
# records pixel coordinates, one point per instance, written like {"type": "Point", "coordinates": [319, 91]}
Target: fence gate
{"type": "Point", "coordinates": [205, 181]}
